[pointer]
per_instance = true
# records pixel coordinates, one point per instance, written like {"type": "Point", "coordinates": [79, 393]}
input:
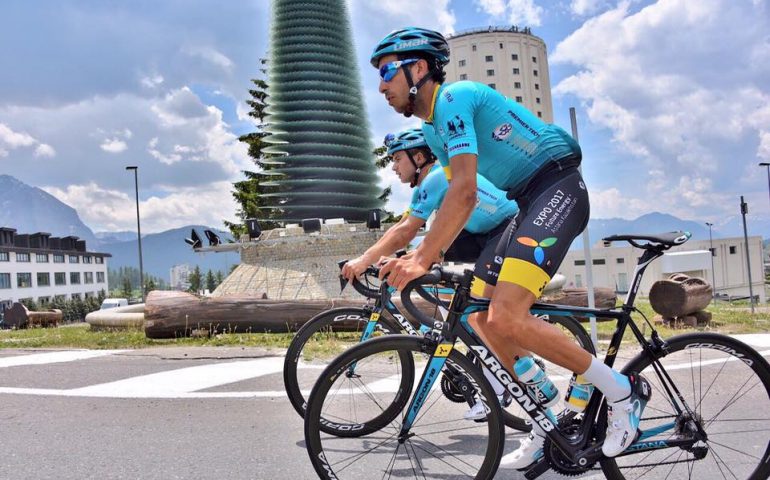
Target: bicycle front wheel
{"type": "Point", "coordinates": [726, 384]}
{"type": "Point", "coordinates": [440, 444]}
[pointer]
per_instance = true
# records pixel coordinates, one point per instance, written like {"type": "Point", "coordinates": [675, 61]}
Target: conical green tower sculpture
{"type": "Point", "coordinates": [316, 118]}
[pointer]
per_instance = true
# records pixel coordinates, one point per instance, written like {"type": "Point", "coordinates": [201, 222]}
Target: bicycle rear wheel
{"type": "Point", "coordinates": [727, 386]}
{"type": "Point", "coordinates": [440, 444]}
{"type": "Point", "coordinates": [319, 340]}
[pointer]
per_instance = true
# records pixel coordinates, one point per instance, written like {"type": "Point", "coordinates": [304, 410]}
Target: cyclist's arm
{"type": "Point", "coordinates": [397, 236]}
{"type": "Point", "coordinates": [455, 210]}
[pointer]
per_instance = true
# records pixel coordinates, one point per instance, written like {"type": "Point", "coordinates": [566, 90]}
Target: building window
{"type": "Point", "coordinates": [99, 277]}
{"type": "Point", "coordinates": [22, 257]}
{"type": "Point", "coordinates": [99, 260]}
{"type": "Point", "coordinates": [75, 296]}
{"type": "Point", "coordinates": [534, 59]}
{"type": "Point", "coordinates": [492, 86]}
{"type": "Point", "coordinates": [489, 58]}
{"type": "Point", "coordinates": [74, 259]}
{"type": "Point", "coordinates": [44, 300]}
{"type": "Point", "coordinates": [60, 278]}
{"type": "Point", "coordinates": [88, 277]}
{"type": "Point", "coordinates": [89, 295]}
{"type": "Point", "coordinates": [462, 63]}
{"type": "Point", "coordinates": [519, 99]}
{"type": "Point", "coordinates": [514, 56]}
{"type": "Point", "coordinates": [88, 259]}
{"type": "Point", "coordinates": [580, 263]}
{"type": "Point", "coordinates": [43, 279]}
{"type": "Point", "coordinates": [74, 278]}
{"type": "Point", "coordinates": [490, 73]}
{"type": "Point", "coordinates": [4, 257]}
{"type": "Point", "coordinates": [534, 72]}
{"type": "Point", "coordinates": [41, 258]}
{"type": "Point", "coordinates": [579, 281]}
{"type": "Point", "coordinates": [733, 250]}
{"type": "Point", "coordinates": [5, 280]}
{"type": "Point", "coordinates": [516, 71]}
{"type": "Point", "coordinates": [537, 100]}
{"type": "Point", "coordinates": [620, 260]}
{"type": "Point", "coordinates": [60, 298]}
{"type": "Point", "coordinates": [537, 86]}
{"type": "Point", "coordinates": [58, 258]}
{"type": "Point", "coordinates": [24, 280]}
{"type": "Point", "coordinates": [622, 286]}
{"type": "Point", "coordinates": [501, 46]}
{"type": "Point", "coordinates": [463, 76]}
{"type": "Point", "coordinates": [516, 84]}
{"type": "Point", "coordinates": [539, 114]}
{"type": "Point", "coordinates": [599, 261]}
{"type": "Point", "coordinates": [473, 47]}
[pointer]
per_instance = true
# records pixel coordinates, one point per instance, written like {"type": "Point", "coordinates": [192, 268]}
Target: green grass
{"type": "Point", "coordinates": [728, 319]}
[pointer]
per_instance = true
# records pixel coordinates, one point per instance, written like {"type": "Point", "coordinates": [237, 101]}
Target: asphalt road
{"type": "Point", "coordinates": [172, 413]}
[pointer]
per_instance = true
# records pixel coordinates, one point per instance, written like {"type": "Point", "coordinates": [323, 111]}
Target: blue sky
{"type": "Point", "coordinates": [672, 96]}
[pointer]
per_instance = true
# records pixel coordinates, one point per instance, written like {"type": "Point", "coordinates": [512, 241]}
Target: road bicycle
{"type": "Point", "coordinates": [341, 328]}
{"type": "Point", "coordinates": [709, 415]}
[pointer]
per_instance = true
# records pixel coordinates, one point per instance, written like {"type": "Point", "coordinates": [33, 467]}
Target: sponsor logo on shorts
{"type": "Point", "coordinates": [502, 132]}
{"type": "Point", "coordinates": [539, 246]}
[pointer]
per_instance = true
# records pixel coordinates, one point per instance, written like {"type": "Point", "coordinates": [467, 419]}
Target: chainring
{"type": "Point", "coordinates": [568, 427]}
{"type": "Point", "coordinates": [450, 390]}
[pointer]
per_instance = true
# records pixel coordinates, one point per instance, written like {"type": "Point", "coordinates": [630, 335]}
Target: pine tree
{"type": "Point", "coordinates": [211, 283]}
{"type": "Point", "coordinates": [127, 290]}
{"type": "Point", "coordinates": [195, 280]}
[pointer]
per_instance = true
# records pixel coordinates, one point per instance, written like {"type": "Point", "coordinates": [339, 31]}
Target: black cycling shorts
{"type": "Point", "coordinates": [553, 210]}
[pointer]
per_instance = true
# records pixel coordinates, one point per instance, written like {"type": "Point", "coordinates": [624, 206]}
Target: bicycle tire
{"type": "Point", "coordinates": [465, 454]}
{"type": "Point", "coordinates": [319, 323]}
{"type": "Point", "coordinates": [718, 356]}
{"type": "Point", "coordinates": [513, 415]}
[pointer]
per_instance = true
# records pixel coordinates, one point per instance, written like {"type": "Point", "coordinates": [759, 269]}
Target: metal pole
{"type": "Point", "coordinates": [138, 231]}
{"type": "Point", "coordinates": [586, 248]}
{"type": "Point", "coordinates": [744, 211]}
{"type": "Point", "coordinates": [713, 272]}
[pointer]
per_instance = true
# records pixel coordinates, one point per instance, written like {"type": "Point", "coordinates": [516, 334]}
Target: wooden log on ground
{"type": "Point", "coordinates": [177, 314]}
{"type": "Point", "coordinates": [703, 317]}
{"type": "Point", "coordinates": [578, 297]}
{"type": "Point", "coordinates": [19, 317]}
{"type": "Point", "coordinates": [680, 295]}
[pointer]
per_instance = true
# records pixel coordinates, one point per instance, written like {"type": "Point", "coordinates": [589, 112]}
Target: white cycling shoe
{"type": "Point", "coordinates": [530, 450]}
{"type": "Point", "coordinates": [623, 417]}
{"type": "Point", "coordinates": [479, 412]}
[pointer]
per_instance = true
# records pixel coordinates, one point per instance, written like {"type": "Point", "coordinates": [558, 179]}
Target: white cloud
{"type": "Point", "coordinates": [45, 150]}
{"type": "Point", "coordinates": [693, 108]}
{"type": "Point", "coordinates": [211, 55]}
{"type": "Point", "coordinates": [586, 7]}
{"type": "Point", "coordinates": [525, 13]}
{"type": "Point", "coordinates": [151, 81]}
{"type": "Point", "coordinates": [113, 145]}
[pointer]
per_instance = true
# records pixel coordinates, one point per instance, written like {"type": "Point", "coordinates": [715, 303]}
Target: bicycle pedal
{"type": "Point", "coordinates": [539, 468]}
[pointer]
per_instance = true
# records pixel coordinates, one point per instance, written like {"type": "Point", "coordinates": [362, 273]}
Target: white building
{"type": "Point", "coordinates": [180, 276]}
{"type": "Point", "coordinates": [508, 59]}
{"type": "Point", "coordinates": [613, 266]}
{"type": "Point", "coordinates": [43, 268]}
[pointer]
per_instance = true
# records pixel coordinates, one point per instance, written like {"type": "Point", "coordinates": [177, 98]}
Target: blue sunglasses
{"type": "Point", "coordinates": [389, 70]}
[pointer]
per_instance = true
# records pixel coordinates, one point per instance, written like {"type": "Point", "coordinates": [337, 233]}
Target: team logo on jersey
{"type": "Point", "coordinates": [582, 185]}
{"type": "Point", "coordinates": [423, 195]}
{"type": "Point", "coordinates": [539, 246]}
{"type": "Point", "coordinates": [502, 132]}
{"type": "Point", "coordinates": [456, 127]}
{"type": "Point", "coordinates": [448, 97]}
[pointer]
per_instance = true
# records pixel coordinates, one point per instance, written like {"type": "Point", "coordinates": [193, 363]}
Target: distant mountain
{"type": "Point", "coordinates": [161, 251]}
{"type": "Point", "coordinates": [115, 237]}
{"type": "Point", "coordinates": [30, 209]}
{"type": "Point", "coordinates": [650, 223]}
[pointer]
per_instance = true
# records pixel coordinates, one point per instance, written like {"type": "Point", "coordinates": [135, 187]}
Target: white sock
{"type": "Point", "coordinates": [612, 384]}
{"type": "Point", "coordinates": [499, 388]}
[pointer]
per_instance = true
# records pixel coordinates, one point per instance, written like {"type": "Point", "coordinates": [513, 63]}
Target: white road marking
{"type": "Point", "coordinates": [55, 357]}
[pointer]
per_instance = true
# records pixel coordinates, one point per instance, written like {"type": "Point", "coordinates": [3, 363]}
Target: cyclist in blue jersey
{"type": "Point", "coordinates": [473, 129]}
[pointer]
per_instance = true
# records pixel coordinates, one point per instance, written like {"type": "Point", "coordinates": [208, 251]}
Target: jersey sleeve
{"type": "Point", "coordinates": [430, 194]}
{"type": "Point", "coordinates": [454, 121]}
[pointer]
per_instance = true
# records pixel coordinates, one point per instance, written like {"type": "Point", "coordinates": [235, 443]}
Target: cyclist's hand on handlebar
{"type": "Point", "coordinates": [354, 268]}
{"type": "Point", "coordinates": [403, 270]}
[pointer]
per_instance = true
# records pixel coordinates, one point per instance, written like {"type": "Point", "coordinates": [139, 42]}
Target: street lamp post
{"type": "Point", "coordinates": [767, 167]}
{"type": "Point", "coordinates": [138, 230]}
{"type": "Point", "coordinates": [713, 273]}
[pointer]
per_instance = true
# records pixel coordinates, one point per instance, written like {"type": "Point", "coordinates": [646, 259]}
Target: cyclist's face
{"type": "Point", "coordinates": [403, 167]}
{"type": "Point", "coordinates": [396, 91]}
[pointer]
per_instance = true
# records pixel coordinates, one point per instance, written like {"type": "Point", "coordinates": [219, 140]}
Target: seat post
{"type": "Point", "coordinates": [650, 254]}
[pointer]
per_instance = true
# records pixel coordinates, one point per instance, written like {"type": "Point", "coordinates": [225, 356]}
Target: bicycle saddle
{"type": "Point", "coordinates": [667, 240]}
